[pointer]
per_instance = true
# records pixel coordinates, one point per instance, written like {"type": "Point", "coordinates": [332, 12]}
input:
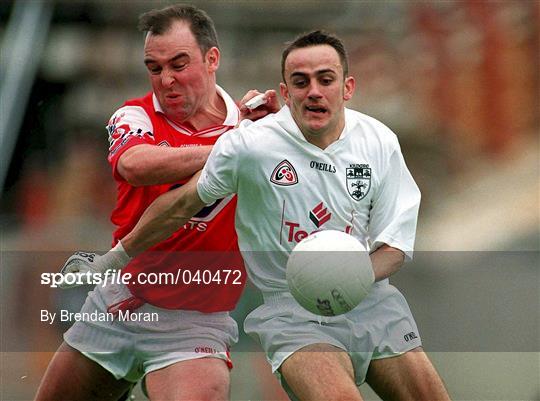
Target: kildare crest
{"type": "Point", "coordinates": [358, 180]}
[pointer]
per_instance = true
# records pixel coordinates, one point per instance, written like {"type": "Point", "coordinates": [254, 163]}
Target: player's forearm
{"type": "Point", "coordinates": [163, 217]}
{"type": "Point", "coordinates": [153, 165]}
{"type": "Point", "coordinates": [386, 261]}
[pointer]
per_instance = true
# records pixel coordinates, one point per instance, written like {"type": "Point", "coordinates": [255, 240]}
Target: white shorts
{"type": "Point", "coordinates": [130, 349]}
{"type": "Point", "coordinates": [381, 326]}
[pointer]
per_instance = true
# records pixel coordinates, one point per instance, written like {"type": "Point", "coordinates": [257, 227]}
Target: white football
{"type": "Point", "coordinates": [329, 273]}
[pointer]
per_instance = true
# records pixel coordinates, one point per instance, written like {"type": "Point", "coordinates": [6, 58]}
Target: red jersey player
{"type": "Point", "coordinates": [156, 143]}
{"type": "Point", "coordinates": [142, 122]}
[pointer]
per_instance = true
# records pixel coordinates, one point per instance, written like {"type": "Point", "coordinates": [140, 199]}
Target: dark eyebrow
{"type": "Point", "coordinates": [176, 57]}
{"type": "Point", "coordinates": [298, 74]}
{"type": "Point", "coordinates": [326, 71]}
{"type": "Point", "coordinates": [319, 72]}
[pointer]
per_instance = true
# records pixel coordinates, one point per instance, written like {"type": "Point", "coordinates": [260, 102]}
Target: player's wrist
{"type": "Point", "coordinates": [115, 259]}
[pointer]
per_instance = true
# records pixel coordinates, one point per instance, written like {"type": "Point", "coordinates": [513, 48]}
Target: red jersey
{"type": "Point", "coordinates": [187, 270]}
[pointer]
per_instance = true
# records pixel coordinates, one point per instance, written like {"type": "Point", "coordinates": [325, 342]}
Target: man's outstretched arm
{"type": "Point", "coordinates": [163, 217]}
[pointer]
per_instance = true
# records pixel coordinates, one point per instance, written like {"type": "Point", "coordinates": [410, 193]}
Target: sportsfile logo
{"type": "Point", "coordinates": [319, 215]}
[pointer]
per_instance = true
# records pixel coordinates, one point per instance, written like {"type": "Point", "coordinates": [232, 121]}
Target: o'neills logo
{"type": "Point", "coordinates": [284, 174]}
{"type": "Point", "coordinates": [205, 350]}
{"type": "Point", "coordinates": [323, 167]}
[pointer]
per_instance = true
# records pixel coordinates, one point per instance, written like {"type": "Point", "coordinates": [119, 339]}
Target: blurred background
{"type": "Point", "coordinates": [458, 81]}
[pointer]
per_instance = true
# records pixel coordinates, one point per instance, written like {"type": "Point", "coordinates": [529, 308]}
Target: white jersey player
{"type": "Point", "coordinates": [315, 165]}
{"type": "Point", "coordinates": [289, 188]}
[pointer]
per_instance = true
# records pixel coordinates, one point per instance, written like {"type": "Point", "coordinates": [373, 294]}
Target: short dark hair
{"type": "Point", "coordinates": [202, 27]}
{"type": "Point", "coordinates": [315, 38]}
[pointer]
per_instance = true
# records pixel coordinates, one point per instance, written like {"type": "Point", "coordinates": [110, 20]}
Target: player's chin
{"type": "Point", "coordinates": [318, 126]}
{"type": "Point", "coordinates": [179, 112]}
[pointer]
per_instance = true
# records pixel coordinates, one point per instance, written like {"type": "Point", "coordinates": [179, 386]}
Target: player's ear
{"type": "Point", "coordinates": [284, 93]}
{"type": "Point", "coordinates": [212, 59]}
{"type": "Point", "coordinates": [349, 86]}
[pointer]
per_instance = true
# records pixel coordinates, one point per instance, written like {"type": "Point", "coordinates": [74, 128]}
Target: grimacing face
{"type": "Point", "coordinates": [181, 77]}
{"type": "Point", "coordinates": [315, 90]}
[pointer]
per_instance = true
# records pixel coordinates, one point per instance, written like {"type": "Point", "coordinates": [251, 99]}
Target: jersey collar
{"type": "Point", "coordinates": [233, 114]}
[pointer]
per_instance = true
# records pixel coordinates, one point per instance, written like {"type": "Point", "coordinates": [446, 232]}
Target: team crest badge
{"type": "Point", "coordinates": [358, 180]}
{"type": "Point", "coordinates": [284, 174]}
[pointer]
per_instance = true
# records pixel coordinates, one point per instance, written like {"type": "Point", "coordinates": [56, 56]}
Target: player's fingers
{"type": "Point", "coordinates": [272, 103]}
{"type": "Point", "coordinates": [249, 95]}
{"type": "Point", "coordinates": [255, 114]}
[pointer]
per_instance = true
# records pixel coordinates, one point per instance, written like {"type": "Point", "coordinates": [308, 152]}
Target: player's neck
{"type": "Point", "coordinates": [213, 113]}
{"type": "Point", "coordinates": [327, 137]}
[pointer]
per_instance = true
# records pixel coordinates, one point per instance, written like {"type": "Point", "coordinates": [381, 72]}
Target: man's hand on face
{"type": "Point", "coordinates": [268, 104]}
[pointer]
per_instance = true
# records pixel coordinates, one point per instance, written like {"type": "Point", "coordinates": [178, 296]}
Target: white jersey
{"type": "Point", "coordinates": [288, 188]}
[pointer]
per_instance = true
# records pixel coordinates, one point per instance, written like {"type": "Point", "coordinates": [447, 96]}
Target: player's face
{"type": "Point", "coordinates": [182, 77]}
{"type": "Point", "coordinates": [315, 91]}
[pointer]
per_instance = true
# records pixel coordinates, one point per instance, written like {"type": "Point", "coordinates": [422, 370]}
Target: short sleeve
{"type": "Point", "coordinates": [219, 177]}
{"type": "Point", "coordinates": [129, 126]}
{"type": "Point", "coordinates": [394, 212]}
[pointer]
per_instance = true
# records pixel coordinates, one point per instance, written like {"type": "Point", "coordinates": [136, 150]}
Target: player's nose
{"type": "Point", "coordinates": [167, 78]}
{"type": "Point", "coordinates": [314, 91]}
